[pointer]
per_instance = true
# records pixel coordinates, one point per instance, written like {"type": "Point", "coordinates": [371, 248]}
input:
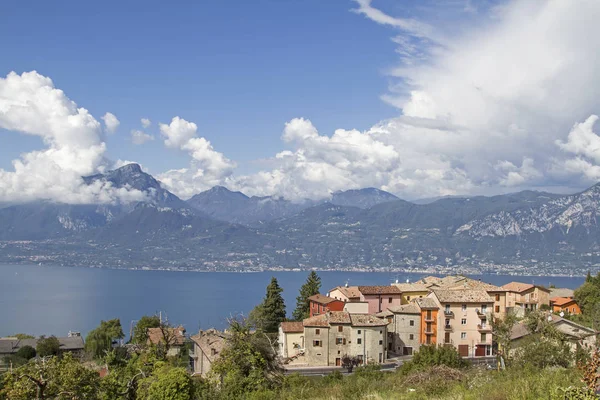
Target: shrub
{"type": "Point", "coordinates": [429, 356]}
{"type": "Point", "coordinates": [26, 352]}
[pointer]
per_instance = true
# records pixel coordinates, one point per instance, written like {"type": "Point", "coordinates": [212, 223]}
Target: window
{"type": "Point", "coordinates": [411, 322]}
{"type": "Point", "coordinates": [359, 331]}
{"type": "Point", "coordinates": [340, 340]}
{"type": "Point", "coordinates": [317, 343]}
{"type": "Point", "coordinates": [380, 342]}
{"type": "Point", "coordinates": [447, 311]}
{"type": "Point", "coordinates": [411, 337]}
{"type": "Point", "coordinates": [358, 341]}
{"type": "Point", "coordinates": [497, 297]}
{"type": "Point", "coordinates": [407, 297]}
{"type": "Point", "coordinates": [497, 309]}
{"type": "Point", "coordinates": [483, 308]}
{"type": "Point", "coordinates": [483, 337]}
{"type": "Point", "coordinates": [463, 335]}
{"type": "Point", "coordinates": [390, 300]}
{"type": "Point", "coordinates": [381, 332]}
{"type": "Point", "coordinates": [340, 328]}
{"type": "Point", "coordinates": [463, 321]}
{"type": "Point", "coordinates": [464, 308]}
{"type": "Point", "coordinates": [573, 310]}
{"type": "Point", "coordinates": [317, 331]}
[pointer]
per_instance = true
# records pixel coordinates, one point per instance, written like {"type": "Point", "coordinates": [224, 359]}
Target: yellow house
{"type": "Point", "coordinates": [411, 291]}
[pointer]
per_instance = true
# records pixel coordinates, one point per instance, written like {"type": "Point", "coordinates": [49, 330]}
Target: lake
{"type": "Point", "coordinates": [53, 300]}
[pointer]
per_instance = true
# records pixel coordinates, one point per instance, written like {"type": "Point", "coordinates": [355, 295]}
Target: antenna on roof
{"type": "Point", "coordinates": [346, 284]}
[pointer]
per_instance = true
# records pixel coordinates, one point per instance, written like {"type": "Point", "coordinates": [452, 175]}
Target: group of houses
{"type": "Point", "coordinates": [376, 323]}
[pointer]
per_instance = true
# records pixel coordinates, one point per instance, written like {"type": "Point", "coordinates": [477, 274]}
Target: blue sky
{"type": "Point", "coordinates": [238, 69]}
{"type": "Point", "coordinates": [300, 98]}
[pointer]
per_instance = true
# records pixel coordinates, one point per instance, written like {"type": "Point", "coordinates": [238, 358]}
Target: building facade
{"type": "Point", "coordinates": [380, 298]}
{"type": "Point", "coordinates": [291, 339]}
{"type": "Point", "coordinates": [207, 347]}
{"type": "Point", "coordinates": [319, 304]}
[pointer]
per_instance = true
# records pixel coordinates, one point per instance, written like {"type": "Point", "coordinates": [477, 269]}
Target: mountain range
{"type": "Point", "coordinates": [219, 229]}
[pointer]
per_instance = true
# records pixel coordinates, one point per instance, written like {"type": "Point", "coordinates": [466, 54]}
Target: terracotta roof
{"type": "Point", "coordinates": [463, 296]}
{"type": "Point", "coordinates": [366, 320]}
{"type": "Point", "coordinates": [517, 287]}
{"type": "Point", "coordinates": [411, 287]}
{"type": "Point", "coordinates": [350, 292]}
{"type": "Point", "coordinates": [321, 299]}
{"type": "Point", "coordinates": [410, 308]}
{"type": "Point", "coordinates": [155, 335]}
{"type": "Point", "coordinates": [368, 290]}
{"type": "Point", "coordinates": [292, 327]}
{"type": "Point", "coordinates": [211, 342]}
{"type": "Point", "coordinates": [520, 330]}
{"type": "Point", "coordinates": [561, 301]}
{"type": "Point", "coordinates": [426, 303]}
{"type": "Point", "coordinates": [384, 314]}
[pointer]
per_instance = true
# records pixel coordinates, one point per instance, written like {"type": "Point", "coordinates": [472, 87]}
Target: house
{"type": "Point", "coordinates": [291, 339]}
{"type": "Point", "coordinates": [330, 336]}
{"type": "Point", "coordinates": [208, 346]}
{"type": "Point", "coordinates": [463, 319]}
{"type": "Point", "coordinates": [575, 333]}
{"type": "Point", "coordinates": [404, 328]}
{"type": "Point", "coordinates": [320, 304]}
{"type": "Point", "coordinates": [357, 307]}
{"type": "Point", "coordinates": [172, 338]}
{"type": "Point", "coordinates": [72, 344]}
{"type": "Point", "coordinates": [380, 298]}
{"type": "Point", "coordinates": [410, 291]}
{"type": "Point", "coordinates": [525, 297]}
{"type": "Point", "coordinates": [561, 292]}
{"type": "Point", "coordinates": [345, 293]}
{"type": "Point", "coordinates": [564, 304]}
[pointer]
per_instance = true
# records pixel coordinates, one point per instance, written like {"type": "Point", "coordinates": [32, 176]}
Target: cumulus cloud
{"type": "Point", "coordinates": [140, 137]}
{"type": "Point", "coordinates": [207, 168]}
{"type": "Point", "coordinates": [30, 104]}
{"type": "Point", "coordinates": [146, 122]}
{"type": "Point", "coordinates": [111, 122]}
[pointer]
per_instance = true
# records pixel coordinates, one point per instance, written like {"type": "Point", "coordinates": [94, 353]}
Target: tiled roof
{"type": "Point", "coordinates": [12, 345]}
{"type": "Point", "coordinates": [368, 290]}
{"type": "Point", "coordinates": [343, 317]}
{"type": "Point", "coordinates": [463, 296]}
{"type": "Point", "coordinates": [561, 301]}
{"type": "Point", "coordinates": [366, 320]}
{"type": "Point", "coordinates": [410, 308]}
{"type": "Point", "coordinates": [561, 292]}
{"type": "Point", "coordinates": [211, 342]}
{"type": "Point", "coordinates": [292, 327]}
{"type": "Point", "coordinates": [384, 314]}
{"type": "Point", "coordinates": [321, 299]}
{"type": "Point", "coordinates": [350, 292]}
{"type": "Point", "coordinates": [177, 337]}
{"type": "Point", "coordinates": [411, 287]}
{"type": "Point", "coordinates": [426, 303]}
{"type": "Point", "coordinates": [520, 330]}
{"type": "Point", "coordinates": [517, 287]}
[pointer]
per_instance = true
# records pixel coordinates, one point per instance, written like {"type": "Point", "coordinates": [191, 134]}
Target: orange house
{"type": "Point", "coordinates": [565, 304]}
{"type": "Point", "coordinates": [429, 317]}
{"type": "Point", "coordinates": [320, 304]}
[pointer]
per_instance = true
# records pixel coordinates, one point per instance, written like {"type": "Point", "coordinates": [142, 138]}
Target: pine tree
{"type": "Point", "coordinates": [310, 288]}
{"type": "Point", "coordinates": [271, 312]}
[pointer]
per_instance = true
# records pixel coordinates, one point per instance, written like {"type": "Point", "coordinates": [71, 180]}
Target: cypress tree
{"type": "Point", "coordinates": [271, 312]}
{"type": "Point", "coordinates": [310, 288]}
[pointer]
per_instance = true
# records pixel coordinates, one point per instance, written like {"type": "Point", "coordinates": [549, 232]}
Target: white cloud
{"type": "Point", "coordinates": [146, 122]}
{"type": "Point", "coordinates": [111, 122]}
{"type": "Point", "coordinates": [207, 167]}
{"type": "Point", "coordinates": [140, 137]}
{"type": "Point", "coordinates": [30, 104]}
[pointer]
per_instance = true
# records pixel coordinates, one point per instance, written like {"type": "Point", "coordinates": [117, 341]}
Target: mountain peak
{"type": "Point", "coordinates": [132, 168]}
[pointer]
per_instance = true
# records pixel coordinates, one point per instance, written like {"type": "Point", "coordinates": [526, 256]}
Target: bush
{"type": "Point", "coordinates": [47, 346]}
{"type": "Point", "coordinates": [26, 352]}
{"type": "Point", "coordinates": [429, 356]}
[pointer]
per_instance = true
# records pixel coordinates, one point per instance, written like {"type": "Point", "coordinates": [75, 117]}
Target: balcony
{"type": "Point", "coordinates": [448, 327]}
{"type": "Point", "coordinates": [430, 331]}
{"type": "Point", "coordinates": [448, 314]}
{"type": "Point", "coordinates": [484, 342]}
{"type": "Point", "coordinates": [429, 318]}
{"type": "Point", "coordinates": [481, 313]}
{"type": "Point", "coordinates": [484, 328]}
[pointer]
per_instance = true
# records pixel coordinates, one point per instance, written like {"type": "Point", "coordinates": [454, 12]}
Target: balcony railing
{"type": "Point", "coordinates": [481, 313]}
{"type": "Point", "coordinates": [484, 328]}
{"type": "Point", "coordinates": [449, 314]}
{"type": "Point", "coordinates": [448, 327]}
{"type": "Point", "coordinates": [429, 331]}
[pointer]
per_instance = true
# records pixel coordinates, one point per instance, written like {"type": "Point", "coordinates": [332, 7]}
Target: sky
{"type": "Point", "coordinates": [299, 98]}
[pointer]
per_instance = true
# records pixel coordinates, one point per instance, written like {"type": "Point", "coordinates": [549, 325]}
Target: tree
{"type": "Point", "coordinates": [502, 329]}
{"type": "Point", "coordinates": [271, 312]}
{"type": "Point", "coordinates": [310, 288]}
{"type": "Point", "coordinates": [22, 336]}
{"type": "Point", "coordinates": [26, 352]}
{"type": "Point", "coordinates": [349, 362]}
{"type": "Point", "coordinates": [99, 341]}
{"type": "Point", "coordinates": [52, 378]}
{"type": "Point", "coordinates": [140, 331]}
{"type": "Point", "coordinates": [167, 383]}
{"type": "Point", "coordinates": [248, 362]}
{"type": "Point", "coordinates": [47, 346]}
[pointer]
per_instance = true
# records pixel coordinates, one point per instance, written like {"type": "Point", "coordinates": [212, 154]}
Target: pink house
{"type": "Point", "coordinates": [380, 298]}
